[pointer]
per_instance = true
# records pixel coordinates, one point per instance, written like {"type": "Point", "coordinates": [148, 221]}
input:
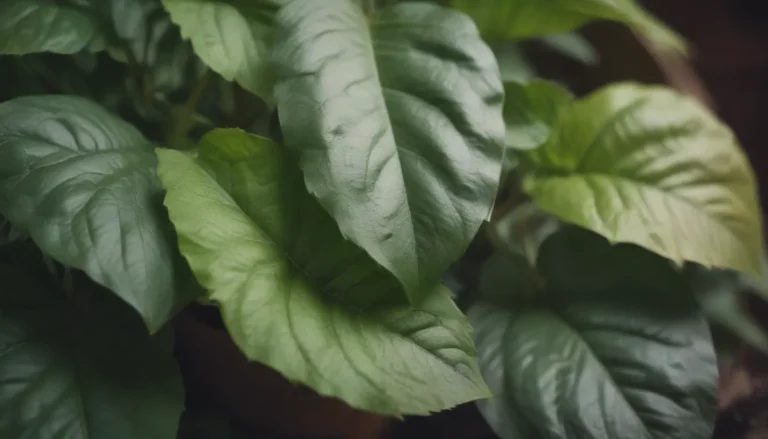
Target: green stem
{"type": "Point", "coordinates": [184, 119]}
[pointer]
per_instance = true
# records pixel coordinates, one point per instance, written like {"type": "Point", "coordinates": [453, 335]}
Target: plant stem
{"type": "Point", "coordinates": [184, 118]}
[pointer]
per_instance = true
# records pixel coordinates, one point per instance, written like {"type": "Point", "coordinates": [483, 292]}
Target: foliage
{"type": "Point", "coordinates": [314, 170]}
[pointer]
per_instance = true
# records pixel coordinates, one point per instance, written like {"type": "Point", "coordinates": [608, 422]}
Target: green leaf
{"type": "Point", "coordinates": [91, 372]}
{"type": "Point", "coordinates": [524, 229]}
{"type": "Point", "coordinates": [284, 278]}
{"type": "Point", "coordinates": [515, 19]}
{"type": "Point", "coordinates": [578, 261]}
{"type": "Point", "coordinates": [33, 26]}
{"type": "Point", "coordinates": [532, 110]}
{"type": "Point", "coordinates": [646, 165]}
{"type": "Point", "coordinates": [718, 294]}
{"type": "Point", "coordinates": [145, 35]}
{"type": "Point", "coordinates": [398, 125]}
{"type": "Point", "coordinates": [633, 360]}
{"type": "Point", "coordinates": [513, 64]}
{"type": "Point", "coordinates": [231, 37]}
{"type": "Point", "coordinates": [82, 183]}
{"type": "Point", "coordinates": [574, 46]}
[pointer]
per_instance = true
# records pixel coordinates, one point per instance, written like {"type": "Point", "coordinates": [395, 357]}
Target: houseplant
{"type": "Point", "coordinates": [312, 170]}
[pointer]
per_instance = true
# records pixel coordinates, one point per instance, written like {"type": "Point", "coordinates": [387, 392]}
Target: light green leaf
{"type": "Point", "coordinates": [629, 361]}
{"type": "Point", "coordinates": [532, 110]}
{"type": "Point", "coordinates": [284, 278]}
{"type": "Point", "coordinates": [648, 166]}
{"type": "Point", "coordinates": [398, 125]}
{"type": "Point", "coordinates": [90, 373]}
{"type": "Point", "coordinates": [515, 19]}
{"type": "Point", "coordinates": [33, 26]}
{"type": "Point", "coordinates": [82, 183]}
{"type": "Point", "coordinates": [231, 37]}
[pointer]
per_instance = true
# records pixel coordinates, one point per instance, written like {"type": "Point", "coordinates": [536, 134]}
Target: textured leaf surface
{"type": "Point", "coordinates": [514, 19]}
{"type": "Point", "coordinates": [230, 37]}
{"type": "Point", "coordinates": [647, 166]}
{"type": "Point", "coordinates": [398, 125]}
{"type": "Point", "coordinates": [82, 183]}
{"type": "Point", "coordinates": [532, 110]}
{"type": "Point", "coordinates": [33, 26]}
{"type": "Point", "coordinates": [634, 360]}
{"type": "Point", "coordinates": [91, 373]}
{"type": "Point", "coordinates": [292, 291]}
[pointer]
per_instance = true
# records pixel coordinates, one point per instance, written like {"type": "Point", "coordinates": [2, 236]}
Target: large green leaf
{"type": "Point", "coordinates": [646, 165]}
{"type": "Point", "coordinates": [82, 183]}
{"type": "Point", "coordinates": [85, 372]}
{"type": "Point", "coordinates": [634, 360]}
{"type": "Point", "coordinates": [398, 125]}
{"type": "Point", "coordinates": [32, 26]}
{"type": "Point", "coordinates": [532, 110]}
{"type": "Point", "coordinates": [231, 37]}
{"type": "Point", "coordinates": [513, 19]}
{"type": "Point", "coordinates": [572, 45]}
{"type": "Point", "coordinates": [292, 290]}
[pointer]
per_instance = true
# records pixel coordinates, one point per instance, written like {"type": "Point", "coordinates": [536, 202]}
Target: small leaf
{"type": "Point", "coordinates": [648, 166]}
{"type": "Point", "coordinates": [718, 294]}
{"type": "Point", "coordinates": [291, 289]}
{"type": "Point", "coordinates": [398, 125]}
{"type": "Point", "coordinates": [231, 37]}
{"type": "Point", "coordinates": [532, 110]}
{"type": "Point", "coordinates": [33, 26]}
{"type": "Point", "coordinates": [515, 19]}
{"type": "Point", "coordinates": [574, 46]}
{"type": "Point", "coordinates": [628, 361]}
{"type": "Point", "coordinates": [513, 64]}
{"type": "Point", "coordinates": [82, 183]}
{"type": "Point", "coordinates": [81, 373]}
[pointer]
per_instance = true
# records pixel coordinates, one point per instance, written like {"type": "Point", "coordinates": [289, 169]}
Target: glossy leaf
{"type": "Point", "coordinates": [398, 126]}
{"type": "Point", "coordinates": [515, 19]}
{"type": "Point", "coordinates": [34, 26]}
{"type": "Point", "coordinates": [532, 110]}
{"type": "Point", "coordinates": [87, 372]}
{"type": "Point", "coordinates": [277, 264]}
{"type": "Point", "coordinates": [631, 360]}
{"type": "Point", "coordinates": [231, 37]}
{"type": "Point", "coordinates": [82, 184]}
{"type": "Point", "coordinates": [645, 165]}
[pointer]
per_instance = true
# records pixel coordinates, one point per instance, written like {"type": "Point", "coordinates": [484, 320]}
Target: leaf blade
{"type": "Point", "coordinates": [647, 166]}
{"type": "Point", "coordinates": [81, 182]}
{"type": "Point", "coordinates": [407, 162]}
{"type": "Point", "coordinates": [273, 271]}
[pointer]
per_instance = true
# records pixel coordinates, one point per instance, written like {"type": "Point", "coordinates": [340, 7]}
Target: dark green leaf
{"type": "Point", "coordinates": [718, 294]}
{"type": "Point", "coordinates": [82, 183]}
{"type": "Point", "coordinates": [514, 19]}
{"type": "Point", "coordinates": [532, 111]}
{"type": "Point", "coordinates": [86, 373]}
{"type": "Point", "coordinates": [633, 360]}
{"type": "Point", "coordinates": [398, 125]}
{"type": "Point", "coordinates": [574, 46]}
{"type": "Point", "coordinates": [33, 26]}
{"type": "Point", "coordinates": [648, 166]}
{"type": "Point", "coordinates": [579, 261]}
{"type": "Point", "coordinates": [284, 278]}
{"type": "Point", "coordinates": [513, 64]}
